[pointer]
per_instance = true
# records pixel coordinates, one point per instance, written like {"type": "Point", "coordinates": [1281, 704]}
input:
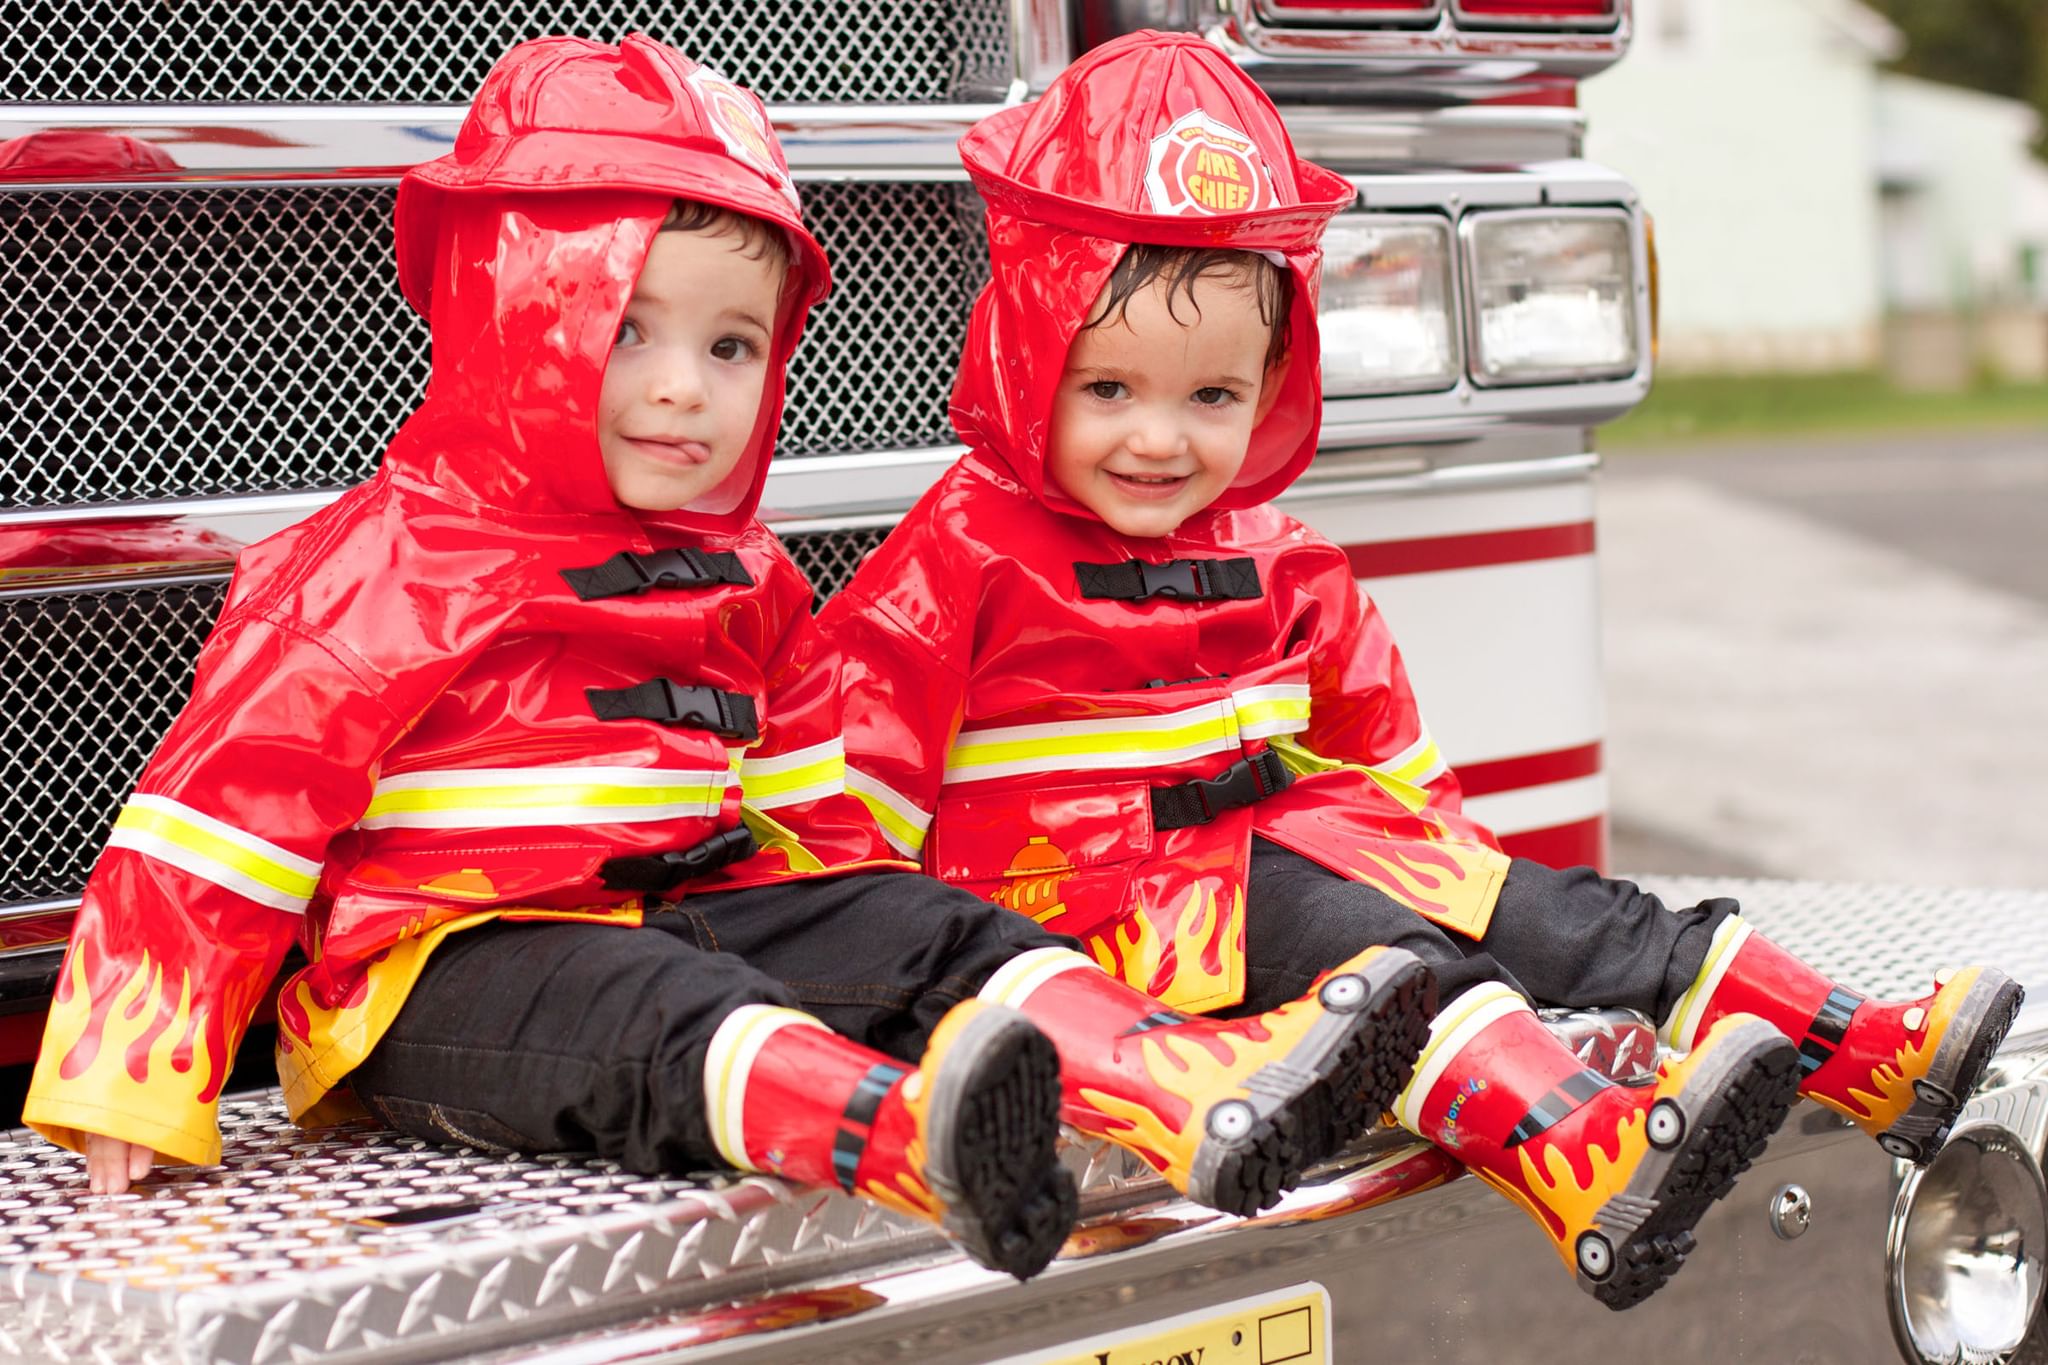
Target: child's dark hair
{"type": "Point", "coordinates": [759, 240]}
{"type": "Point", "coordinates": [1178, 267]}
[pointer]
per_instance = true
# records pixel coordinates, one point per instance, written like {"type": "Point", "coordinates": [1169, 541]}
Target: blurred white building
{"type": "Point", "coordinates": [1804, 199]}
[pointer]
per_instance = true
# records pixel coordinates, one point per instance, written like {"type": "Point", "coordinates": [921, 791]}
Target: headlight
{"type": "Point", "coordinates": [1966, 1248]}
{"type": "Point", "coordinates": [1386, 318]}
{"type": "Point", "coordinates": [1553, 295]}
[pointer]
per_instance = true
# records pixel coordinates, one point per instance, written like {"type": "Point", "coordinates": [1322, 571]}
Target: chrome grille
{"type": "Point", "coordinates": [437, 51]}
{"type": "Point", "coordinates": [178, 342]}
{"type": "Point", "coordinates": [93, 679]}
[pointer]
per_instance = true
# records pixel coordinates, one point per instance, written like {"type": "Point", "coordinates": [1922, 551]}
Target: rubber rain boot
{"type": "Point", "coordinates": [1230, 1111]}
{"type": "Point", "coordinates": [1615, 1175]}
{"type": "Point", "coordinates": [1899, 1070]}
{"type": "Point", "coordinates": [966, 1140]}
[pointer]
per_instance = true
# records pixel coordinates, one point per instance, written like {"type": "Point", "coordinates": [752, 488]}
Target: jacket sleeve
{"type": "Point", "coordinates": [905, 696]}
{"type": "Point", "coordinates": [1361, 708]}
{"type": "Point", "coordinates": [794, 782]}
{"type": "Point", "coordinates": [206, 881]}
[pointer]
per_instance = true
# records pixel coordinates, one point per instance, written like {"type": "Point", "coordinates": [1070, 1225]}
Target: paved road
{"type": "Point", "coordinates": [1829, 659]}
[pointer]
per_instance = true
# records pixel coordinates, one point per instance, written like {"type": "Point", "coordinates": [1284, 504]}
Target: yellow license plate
{"type": "Point", "coordinates": [1288, 1327]}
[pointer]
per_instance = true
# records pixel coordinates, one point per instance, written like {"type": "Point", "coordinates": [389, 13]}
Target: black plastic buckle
{"type": "Point", "coordinates": [1191, 580]}
{"type": "Point", "coordinates": [1175, 578]}
{"type": "Point", "coordinates": [657, 872]}
{"type": "Point", "coordinates": [630, 572]}
{"type": "Point", "coordinates": [1200, 801]}
{"type": "Point", "coordinates": [731, 715]}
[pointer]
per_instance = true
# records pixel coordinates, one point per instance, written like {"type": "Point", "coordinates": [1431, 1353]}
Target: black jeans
{"type": "Point", "coordinates": [1570, 937]}
{"type": "Point", "coordinates": [590, 1037]}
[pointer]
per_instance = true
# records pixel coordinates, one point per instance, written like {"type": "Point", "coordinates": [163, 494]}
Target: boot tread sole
{"type": "Point", "coordinates": [1356, 1077]}
{"type": "Point", "coordinates": [1726, 1130]}
{"type": "Point", "coordinates": [1992, 1021]}
{"type": "Point", "coordinates": [995, 1123]}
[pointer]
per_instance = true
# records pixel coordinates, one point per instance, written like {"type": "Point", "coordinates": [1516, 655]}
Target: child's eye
{"type": "Point", "coordinates": [1106, 389]}
{"type": "Point", "coordinates": [732, 348]}
{"type": "Point", "coordinates": [1214, 396]}
{"type": "Point", "coordinates": [629, 333]}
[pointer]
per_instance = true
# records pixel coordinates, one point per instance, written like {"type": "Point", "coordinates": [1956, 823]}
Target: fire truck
{"type": "Point", "coordinates": [202, 341]}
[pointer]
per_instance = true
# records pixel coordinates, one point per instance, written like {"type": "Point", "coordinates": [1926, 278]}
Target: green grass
{"type": "Point", "coordinates": [1689, 408]}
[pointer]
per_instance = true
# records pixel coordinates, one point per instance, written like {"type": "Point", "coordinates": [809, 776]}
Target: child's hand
{"type": "Point", "coordinates": [112, 1165]}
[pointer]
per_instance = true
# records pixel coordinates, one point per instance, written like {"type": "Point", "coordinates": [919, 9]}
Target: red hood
{"type": "Point", "coordinates": [522, 246]}
{"type": "Point", "coordinates": [1155, 138]}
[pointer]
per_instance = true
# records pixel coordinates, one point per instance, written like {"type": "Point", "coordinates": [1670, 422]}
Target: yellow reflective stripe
{"type": "Point", "coordinates": [1419, 764]}
{"type": "Point", "coordinates": [486, 798]}
{"type": "Point", "coordinates": [232, 858]}
{"type": "Point", "coordinates": [1263, 712]}
{"type": "Point", "coordinates": [903, 822]}
{"type": "Point", "coordinates": [1117, 742]}
{"type": "Point", "coordinates": [800, 775]}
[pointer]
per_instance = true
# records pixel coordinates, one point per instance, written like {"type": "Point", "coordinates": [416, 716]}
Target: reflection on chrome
{"type": "Point", "coordinates": [1967, 1248]}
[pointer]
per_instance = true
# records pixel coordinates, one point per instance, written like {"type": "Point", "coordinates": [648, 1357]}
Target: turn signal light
{"type": "Point", "coordinates": [1539, 13]}
{"type": "Point", "coordinates": [1350, 12]}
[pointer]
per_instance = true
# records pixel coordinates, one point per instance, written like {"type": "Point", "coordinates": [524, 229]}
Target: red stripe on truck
{"type": "Point", "coordinates": [1582, 843]}
{"type": "Point", "coordinates": [1528, 770]}
{"type": "Point", "coordinates": [1434, 554]}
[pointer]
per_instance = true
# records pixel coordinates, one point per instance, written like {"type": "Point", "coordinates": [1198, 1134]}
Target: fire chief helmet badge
{"type": "Point", "coordinates": [1202, 165]}
{"type": "Point", "coordinates": [732, 113]}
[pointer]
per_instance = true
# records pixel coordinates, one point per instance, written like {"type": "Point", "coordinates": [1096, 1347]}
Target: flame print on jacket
{"type": "Point", "coordinates": [1186, 967]}
{"type": "Point", "coordinates": [137, 1045]}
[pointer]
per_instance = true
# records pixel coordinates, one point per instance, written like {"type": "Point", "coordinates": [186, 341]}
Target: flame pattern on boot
{"type": "Point", "coordinates": [1615, 1176]}
{"type": "Point", "coordinates": [1230, 1111]}
{"type": "Point", "coordinates": [1899, 1070]}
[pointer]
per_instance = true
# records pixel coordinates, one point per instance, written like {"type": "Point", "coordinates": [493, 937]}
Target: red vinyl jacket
{"type": "Point", "coordinates": [469, 683]}
{"type": "Point", "coordinates": [1020, 692]}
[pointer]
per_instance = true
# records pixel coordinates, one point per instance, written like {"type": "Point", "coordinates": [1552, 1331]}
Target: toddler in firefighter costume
{"type": "Point", "coordinates": [451, 732]}
{"type": "Point", "coordinates": [1094, 676]}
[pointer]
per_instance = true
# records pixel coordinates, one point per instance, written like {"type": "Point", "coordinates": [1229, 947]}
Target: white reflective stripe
{"type": "Point", "coordinates": [800, 775]}
{"type": "Point", "coordinates": [164, 851]}
{"type": "Point", "coordinates": [1277, 709]}
{"type": "Point", "coordinates": [1420, 764]}
{"type": "Point", "coordinates": [1126, 743]}
{"type": "Point", "coordinates": [1121, 742]}
{"type": "Point", "coordinates": [1458, 1024]}
{"type": "Point", "coordinates": [1682, 1028]}
{"type": "Point", "coordinates": [511, 798]}
{"type": "Point", "coordinates": [902, 820]}
{"type": "Point", "coordinates": [1018, 979]}
{"type": "Point", "coordinates": [247, 864]}
{"type": "Point", "coordinates": [728, 1059]}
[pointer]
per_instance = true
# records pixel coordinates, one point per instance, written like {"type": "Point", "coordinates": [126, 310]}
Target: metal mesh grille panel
{"type": "Point", "coordinates": [828, 558]}
{"type": "Point", "coordinates": [172, 343]}
{"type": "Point", "coordinates": [437, 51]}
{"type": "Point", "coordinates": [93, 680]}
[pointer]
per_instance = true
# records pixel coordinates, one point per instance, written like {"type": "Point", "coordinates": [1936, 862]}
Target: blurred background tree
{"type": "Point", "coordinates": [1997, 46]}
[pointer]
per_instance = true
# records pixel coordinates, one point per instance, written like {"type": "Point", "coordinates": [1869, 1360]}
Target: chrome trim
{"type": "Point", "coordinates": [375, 144]}
{"type": "Point", "coordinates": [859, 492]}
{"type": "Point", "coordinates": [1350, 138]}
{"type": "Point", "coordinates": [1639, 273]}
{"type": "Point", "coordinates": [31, 909]}
{"type": "Point", "coordinates": [1483, 60]}
{"type": "Point", "coordinates": [1042, 36]}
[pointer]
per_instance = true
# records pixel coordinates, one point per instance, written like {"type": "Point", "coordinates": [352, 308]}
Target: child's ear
{"type": "Point", "coordinates": [1270, 386]}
